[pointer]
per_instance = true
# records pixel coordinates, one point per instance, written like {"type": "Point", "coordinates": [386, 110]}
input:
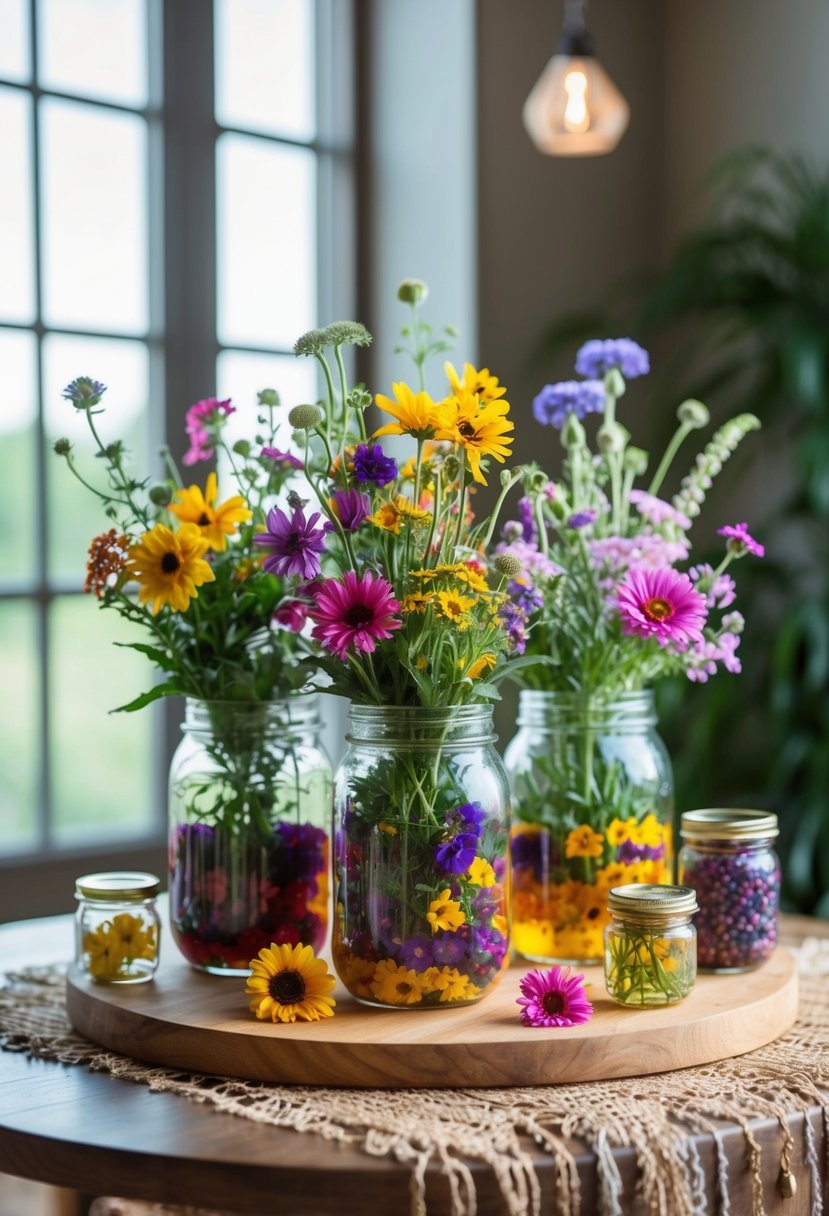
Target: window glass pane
{"type": "Point", "coordinates": [240, 375]}
{"type": "Point", "coordinates": [100, 769]}
{"type": "Point", "coordinates": [15, 56]}
{"type": "Point", "coordinates": [17, 279]}
{"type": "Point", "coordinates": [94, 167]}
{"type": "Point", "coordinates": [18, 416]}
{"type": "Point", "coordinates": [19, 716]}
{"type": "Point", "coordinates": [74, 514]}
{"type": "Point", "coordinates": [266, 242]}
{"type": "Point", "coordinates": [97, 48]}
{"type": "Point", "coordinates": [265, 66]}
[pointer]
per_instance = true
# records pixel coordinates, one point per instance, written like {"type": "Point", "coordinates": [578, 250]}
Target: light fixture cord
{"type": "Point", "coordinates": [574, 16]}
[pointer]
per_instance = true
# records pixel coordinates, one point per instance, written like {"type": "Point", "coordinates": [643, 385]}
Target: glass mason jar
{"type": "Point", "coordinates": [728, 857]}
{"type": "Point", "coordinates": [117, 926]}
{"type": "Point", "coordinates": [421, 832]}
{"type": "Point", "coordinates": [650, 945]}
{"type": "Point", "coordinates": [249, 806]}
{"type": "Point", "coordinates": [592, 799]}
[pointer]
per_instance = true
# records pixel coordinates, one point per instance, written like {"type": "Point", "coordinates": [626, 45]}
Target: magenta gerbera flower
{"type": "Point", "coordinates": [662, 604]}
{"type": "Point", "coordinates": [553, 998]}
{"type": "Point", "coordinates": [356, 610]}
{"type": "Point", "coordinates": [295, 543]}
{"type": "Point", "coordinates": [740, 540]}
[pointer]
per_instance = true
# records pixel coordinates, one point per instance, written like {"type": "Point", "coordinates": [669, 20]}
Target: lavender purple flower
{"type": "Point", "coordinates": [371, 463]}
{"type": "Point", "coordinates": [295, 543]}
{"type": "Point", "coordinates": [555, 401]}
{"type": "Point", "coordinates": [600, 355]}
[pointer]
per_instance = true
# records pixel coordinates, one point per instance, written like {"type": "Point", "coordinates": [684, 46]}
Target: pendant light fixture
{"type": "Point", "coordinates": [575, 108]}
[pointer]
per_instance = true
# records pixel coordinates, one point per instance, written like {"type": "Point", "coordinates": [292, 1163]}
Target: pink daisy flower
{"type": "Point", "coordinates": [662, 604]}
{"type": "Point", "coordinates": [354, 611]}
{"type": "Point", "coordinates": [553, 998]}
{"type": "Point", "coordinates": [198, 417]}
{"type": "Point", "coordinates": [740, 541]}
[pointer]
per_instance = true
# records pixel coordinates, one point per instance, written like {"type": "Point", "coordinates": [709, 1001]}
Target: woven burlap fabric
{"type": "Point", "coordinates": [497, 1126]}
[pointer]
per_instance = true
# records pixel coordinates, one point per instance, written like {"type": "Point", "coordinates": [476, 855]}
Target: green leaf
{"type": "Point", "coordinates": [169, 689]}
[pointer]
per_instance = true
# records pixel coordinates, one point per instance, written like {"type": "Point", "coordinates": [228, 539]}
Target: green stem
{"type": "Point", "coordinates": [680, 434]}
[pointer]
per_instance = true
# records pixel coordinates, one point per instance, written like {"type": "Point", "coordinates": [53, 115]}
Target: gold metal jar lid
{"type": "Point", "coordinates": [722, 823]}
{"type": "Point", "coordinates": [128, 885]}
{"type": "Point", "coordinates": [652, 899]}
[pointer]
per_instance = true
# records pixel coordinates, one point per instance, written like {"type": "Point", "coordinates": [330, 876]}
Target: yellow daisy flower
{"type": "Point", "coordinates": [445, 913]}
{"type": "Point", "coordinates": [450, 983]}
{"type": "Point", "coordinates": [460, 572]}
{"type": "Point", "coordinates": [355, 972]}
{"type": "Point", "coordinates": [169, 566]}
{"type": "Point", "coordinates": [481, 383]}
{"type": "Point", "coordinates": [583, 842]}
{"type": "Point", "coordinates": [400, 510]}
{"type": "Point", "coordinates": [137, 939]}
{"type": "Point", "coordinates": [618, 831]}
{"type": "Point", "coordinates": [215, 523]}
{"type": "Point", "coordinates": [480, 429]}
{"type": "Point", "coordinates": [394, 984]}
{"type": "Point", "coordinates": [416, 413]}
{"type": "Point", "coordinates": [289, 982]}
{"type": "Point", "coordinates": [418, 601]}
{"type": "Point", "coordinates": [455, 606]}
{"type": "Point", "coordinates": [481, 873]}
{"type": "Point", "coordinates": [104, 954]}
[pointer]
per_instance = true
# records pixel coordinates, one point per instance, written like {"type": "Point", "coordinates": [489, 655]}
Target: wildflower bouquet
{"type": "Point", "coordinates": [607, 592]}
{"type": "Point", "coordinates": [248, 853]}
{"type": "Point", "coordinates": [410, 621]}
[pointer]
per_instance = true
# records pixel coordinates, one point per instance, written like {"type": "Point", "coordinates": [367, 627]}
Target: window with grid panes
{"type": "Point", "coordinates": [92, 284]}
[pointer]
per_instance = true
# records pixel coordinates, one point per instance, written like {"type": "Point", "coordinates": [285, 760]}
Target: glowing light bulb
{"type": "Point", "coordinates": [576, 113]}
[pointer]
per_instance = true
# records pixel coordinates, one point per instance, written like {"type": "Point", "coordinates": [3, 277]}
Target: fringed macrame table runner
{"type": "Point", "coordinates": [663, 1119]}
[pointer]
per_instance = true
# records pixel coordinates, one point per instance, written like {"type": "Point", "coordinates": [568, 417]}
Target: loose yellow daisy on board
{"type": "Point", "coordinates": [481, 383]}
{"type": "Point", "coordinates": [169, 566]}
{"type": "Point", "coordinates": [583, 842]}
{"type": "Point", "coordinates": [445, 913]}
{"type": "Point", "coordinates": [482, 430]}
{"type": "Point", "coordinates": [214, 522]}
{"type": "Point", "coordinates": [394, 984]}
{"type": "Point", "coordinates": [416, 413]}
{"type": "Point", "coordinates": [290, 982]}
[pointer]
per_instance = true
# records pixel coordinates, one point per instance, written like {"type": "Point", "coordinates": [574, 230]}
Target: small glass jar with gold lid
{"type": "Point", "coordinates": [650, 944]}
{"type": "Point", "coordinates": [117, 926]}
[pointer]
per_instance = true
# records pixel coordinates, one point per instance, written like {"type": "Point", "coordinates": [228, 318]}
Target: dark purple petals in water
{"type": "Point", "coordinates": [449, 949]}
{"type": "Point", "coordinates": [417, 953]}
{"type": "Point", "coordinates": [629, 852]}
{"type": "Point", "coordinates": [456, 855]}
{"type": "Point", "coordinates": [531, 851]}
{"type": "Point", "coordinates": [600, 355]}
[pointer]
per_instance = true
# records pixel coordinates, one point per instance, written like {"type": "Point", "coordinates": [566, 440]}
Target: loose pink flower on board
{"type": "Point", "coordinates": [553, 998]}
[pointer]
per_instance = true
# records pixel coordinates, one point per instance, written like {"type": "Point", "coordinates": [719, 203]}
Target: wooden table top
{"type": "Point", "coordinates": [92, 1132]}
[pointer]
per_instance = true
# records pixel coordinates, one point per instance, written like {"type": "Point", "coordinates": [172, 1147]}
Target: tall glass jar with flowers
{"type": "Point", "coordinates": [250, 784]}
{"type": "Point", "coordinates": [609, 593]}
{"type": "Point", "coordinates": [409, 624]}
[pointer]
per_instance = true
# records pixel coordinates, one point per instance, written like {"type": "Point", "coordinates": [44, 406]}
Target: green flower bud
{"type": "Point", "coordinates": [614, 382]}
{"type": "Point", "coordinates": [305, 417]}
{"type": "Point", "coordinates": [412, 291]}
{"type": "Point", "coordinates": [636, 461]}
{"type": "Point", "coordinates": [160, 494]}
{"type": "Point", "coordinates": [506, 478]}
{"type": "Point", "coordinates": [268, 396]}
{"type": "Point", "coordinates": [242, 448]}
{"type": "Point", "coordinates": [535, 480]}
{"type": "Point", "coordinates": [359, 398]}
{"type": "Point", "coordinates": [507, 564]}
{"type": "Point", "coordinates": [611, 438]}
{"type": "Point", "coordinates": [693, 413]}
{"type": "Point", "coordinates": [572, 433]}
{"type": "Point", "coordinates": [62, 447]}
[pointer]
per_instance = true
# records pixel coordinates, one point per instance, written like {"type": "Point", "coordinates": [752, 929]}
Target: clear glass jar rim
{"type": "Point", "coordinates": [114, 885]}
{"type": "Point", "coordinates": [299, 709]}
{"type": "Point", "coordinates": [427, 715]}
{"type": "Point", "coordinates": [723, 823]}
{"type": "Point", "coordinates": [633, 698]}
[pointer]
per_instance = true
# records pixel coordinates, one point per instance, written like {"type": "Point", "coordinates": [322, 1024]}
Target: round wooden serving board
{"type": "Point", "coordinates": [200, 1023]}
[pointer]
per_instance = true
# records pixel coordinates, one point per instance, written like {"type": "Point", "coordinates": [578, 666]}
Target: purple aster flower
{"type": "Point", "coordinates": [351, 507]}
{"type": "Point", "coordinates": [450, 949]}
{"type": "Point", "coordinates": [84, 392]}
{"type": "Point", "coordinates": [456, 855]}
{"type": "Point", "coordinates": [526, 595]}
{"type": "Point", "coordinates": [553, 998]}
{"type": "Point", "coordinates": [600, 355]}
{"type": "Point", "coordinates": [740, 541]}
{"type": "Point", "coordinates": [417, 953]}
{"type": "Point", "coordinates": [295, 543]}
{"type": "Point", "coordinates": [581, 519]}
{"type": "Point", "coordinates": [489, 942]}
{"type": "Point", "coordinates": [371, 463]}
{"type": "Point", "coordinates": [287, 459]}
{"type": "Point", "coordinates": [514, 622]}
{"type": "Point", "coordinates": [529, 531]}
{"type": "Point", "coordinates": [556, 401]}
